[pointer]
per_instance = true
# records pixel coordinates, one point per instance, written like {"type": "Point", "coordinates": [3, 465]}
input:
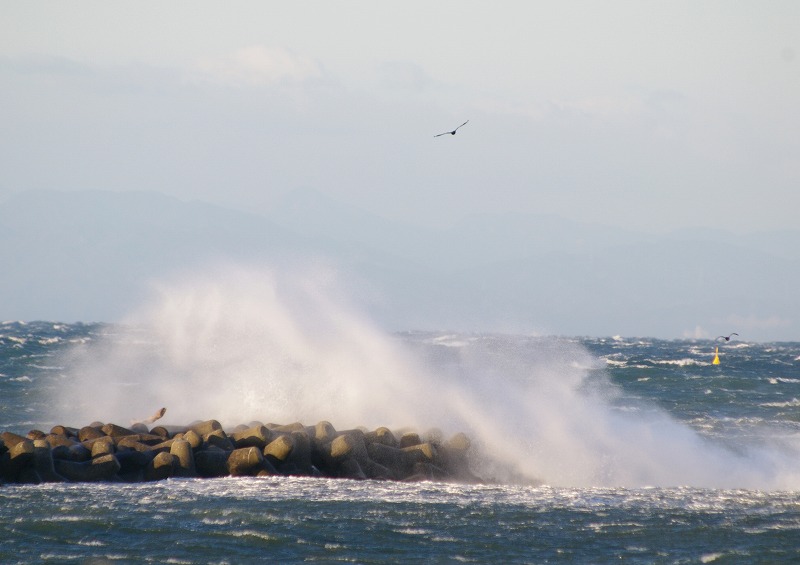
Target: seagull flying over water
{"type": "Point", "coordinates": [727, 337]}
{"type": "Point", "coordinates": [451, 132]}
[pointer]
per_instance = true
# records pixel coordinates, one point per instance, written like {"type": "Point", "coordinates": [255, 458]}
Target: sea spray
{"type": "Point", "coordinates": [237, 344]}
{"type": "Point", "coordinates": [257, 344]}
{"type": "Point", "coordinates": [546, 408]}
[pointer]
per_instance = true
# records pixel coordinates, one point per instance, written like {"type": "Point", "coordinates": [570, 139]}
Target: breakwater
{"type": "Point", "coordinates": [109, 452]}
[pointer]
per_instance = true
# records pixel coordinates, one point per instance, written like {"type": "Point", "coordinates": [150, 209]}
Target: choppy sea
{"type": "Point", "coordinates": [594, 449]}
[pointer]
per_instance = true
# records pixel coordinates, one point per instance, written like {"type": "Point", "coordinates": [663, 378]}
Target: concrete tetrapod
{"type": "Point", "coordinates": [109, 452]}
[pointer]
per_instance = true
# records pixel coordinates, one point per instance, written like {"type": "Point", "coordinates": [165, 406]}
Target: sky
{"type": "Point", "coordinates": [652, 116]}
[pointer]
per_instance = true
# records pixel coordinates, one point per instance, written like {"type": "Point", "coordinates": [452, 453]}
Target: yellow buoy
{"type": "Point", "coordinates": [716, 356]}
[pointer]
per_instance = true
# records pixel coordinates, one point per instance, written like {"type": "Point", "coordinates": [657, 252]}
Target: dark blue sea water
{"type": "Point", "coordinates": [594, 449]}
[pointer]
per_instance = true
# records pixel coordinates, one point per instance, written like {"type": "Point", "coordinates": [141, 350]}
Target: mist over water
{"type": "Point", "coordinates": [240, 344]}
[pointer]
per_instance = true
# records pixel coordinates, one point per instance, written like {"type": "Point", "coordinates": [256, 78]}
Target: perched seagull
{"type": "Point", "coordinates": [727, 337]}
{"type": "Point", "coordinates": [451, 132]}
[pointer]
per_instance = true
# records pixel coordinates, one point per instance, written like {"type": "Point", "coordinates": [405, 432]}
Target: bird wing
{"type": "Point", "coordinates": [451, 132]}
{"type": "Point", "coordinates": [734, 333]}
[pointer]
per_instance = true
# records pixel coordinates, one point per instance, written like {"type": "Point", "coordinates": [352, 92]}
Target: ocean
{"type": "Point", "coordinates": [592, 450]}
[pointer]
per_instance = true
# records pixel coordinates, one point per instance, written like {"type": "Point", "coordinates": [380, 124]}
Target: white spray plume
{"type": "Point", "coordinates": [240, 344]}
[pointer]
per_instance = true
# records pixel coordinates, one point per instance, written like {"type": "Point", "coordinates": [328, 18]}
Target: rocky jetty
{"type": "Point", "coordinates": [109, 452]}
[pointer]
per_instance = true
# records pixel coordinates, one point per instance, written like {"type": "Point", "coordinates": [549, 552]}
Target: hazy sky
{"type": "Point", "coordinates": [650, 115]}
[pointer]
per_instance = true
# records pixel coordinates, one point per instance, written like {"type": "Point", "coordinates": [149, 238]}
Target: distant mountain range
{"type": "Point", "coordinates": [87, 256]}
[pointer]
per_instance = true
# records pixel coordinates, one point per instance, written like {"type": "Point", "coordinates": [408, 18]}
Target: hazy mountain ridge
{"type": "Point", "coordinates": [88, 256]}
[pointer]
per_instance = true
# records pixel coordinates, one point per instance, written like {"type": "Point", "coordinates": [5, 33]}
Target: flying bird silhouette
{"type": "Point", "coordinates": [727, 337]}
{"type": "Point", "coordinates": [451, 132]}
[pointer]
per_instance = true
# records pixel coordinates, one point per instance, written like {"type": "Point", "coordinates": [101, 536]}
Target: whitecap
{"type": "Point", "coordinates": [680, 362]}
{"type": "Point", "coordinates": [252, 534]}
{"type": "Point", "coordinates": [48, 340]}
{"type": "Point", "coordinates": [450, 341]}
{"type": "Point", "coordinates": [92, 543]}
{"type": "Point", "coordinates": [793, 402]}
{"type": "Point", "coordinates": [413, 531]}
{"type": "Point", "coordinates": [215, 522]}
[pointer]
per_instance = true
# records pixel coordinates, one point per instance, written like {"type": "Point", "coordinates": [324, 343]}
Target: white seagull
{"type": "Point", "coordinates": [451, 132]}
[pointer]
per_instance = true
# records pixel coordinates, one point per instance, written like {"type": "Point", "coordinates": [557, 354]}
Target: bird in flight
{"type": "Point", "coordinates": [727, 337]}
{"type": "Point", "coordinates": [451, 132]}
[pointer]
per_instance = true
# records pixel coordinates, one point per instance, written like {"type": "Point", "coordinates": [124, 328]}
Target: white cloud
{"type": "Point", "coordinates": [258, 65]}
